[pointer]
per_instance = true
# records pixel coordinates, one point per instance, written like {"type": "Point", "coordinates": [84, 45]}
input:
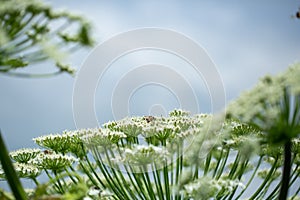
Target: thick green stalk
{"type": "Point", "coordinates": [286, 171]}
{"type": "Point", "coordinates": [10, 173]}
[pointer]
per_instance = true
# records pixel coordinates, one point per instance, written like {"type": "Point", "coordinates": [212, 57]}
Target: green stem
{"type": "Point", "coordinates": [276, 189]}
{"type": "Point", "coordinates": [218, 164]}
{"type": "Point", "coordinates": [94, 172]}
{"type": "Point", "coordinates": [122, 187]}
{"type": "Point", "coordinates": [88, 174]}
{"type": "Point", "coordinates": [297, 192]}
{"type": "Point", "coordinates": [286, 171]}
{"type": "Point", "coordinates": [35, 181]}
{"type": "Point", "coordinates": [224, 161]}
{"type": "Point", "coordinates": [166, 178]}
{"type": "Point", "coordinates": [266, 180]}
{"type": "Point", "coordinates": [107, 175]}
{"type": "Point", "coordinates": [251, 178]}
{"type": "Point", "coordinates": [58, 182]}
{"type": "Point", "coordinates": [134, 182]}
{"type": "Point", "coordinates": [120, 174]}
{"type": "Point", "coordinates": [53, 181]}
{"type": "Point", "coordinates": [10, 173]}
{"type": "Point", "coordinates": [28, 75]}
{"type": "Point", "coordinates": [157, 180]}
{"type": "Point", "coordinates": [71, 176]}
{"type": "Point", "coordinates": [295, 177]}
{"type": "Point", "coordinates": [140, 184]}
{"type": "Point", "coordinates": [243, 167]}
{"type": "Point", "coordinates": [131, 176]}
{"type": "Point", "coordinates": [147, 181]}
{"type": "Point", "coordinates": [234, 166]}
{"type": "Point", "coordinates": [207, 163]}
{"type": "Point", "coordinates": [166, 175]}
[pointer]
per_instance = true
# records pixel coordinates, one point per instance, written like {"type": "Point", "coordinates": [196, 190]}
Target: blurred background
{"type": "Point", "coordinates": [246, 40]}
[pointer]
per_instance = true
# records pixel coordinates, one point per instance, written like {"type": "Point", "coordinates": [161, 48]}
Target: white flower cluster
{"type": "Point", "coordinates": [160, 128]}
{"type": "Point", "coordinates": [101, 137]}
{"type": "Point", "coordinates": [27, 170]}
{"type": "Point", "coordinates": [56, 142]}
{"type": "Point", "coordinates": [24, 155]}
{"type": "Point", "coordinates": [23, 170]}
{"type": "Point", "coordinates": [261, 104]}
{"type": "Point", "coordinates": [94, 193]}
{"type": "Point", "coordinates": [130, 126]}
{"type": "Point", "coordinates": [53, 161]}
{"type": "Point", "coordinates": [207, 188]}
{"type": "Point", "coordinates": [142, 155]}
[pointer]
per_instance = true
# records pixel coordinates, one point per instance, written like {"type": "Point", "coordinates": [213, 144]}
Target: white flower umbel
{"type": "Point", "coordinates": [142, 155]}
{"type": "Point", "coordinates": [179, 113]}
{"type": "Point", "coordinates": [102, 137]}
{"type": "Point", "coordinates": [56, 142]}
{"type": "Point", "coordinates": [207, 188]}
{"type": "Point", "coordinates": [130, 126]}
{"type": "Point", "coordinates": [76, 146]}
{"type": "Point", "coordinates": [262, 105]}
{"type": "Point", "coordinates": [27, 170]}
{"type": "Point", "coordinates": [24, 155]}
{"type": "Point", "coordinates": [53, 161]}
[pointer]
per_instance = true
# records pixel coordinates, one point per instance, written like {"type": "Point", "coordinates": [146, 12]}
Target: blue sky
{"type": "Point", "coordinates": [245, 40]}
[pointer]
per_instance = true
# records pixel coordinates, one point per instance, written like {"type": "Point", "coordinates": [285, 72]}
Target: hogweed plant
{"type": "Point", "coordinates": [253, 153]}
{"type": "Point", "coordinates": [32, 31]}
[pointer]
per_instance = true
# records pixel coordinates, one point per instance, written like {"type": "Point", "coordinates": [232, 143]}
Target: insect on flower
{"type": "Point", "coordinates": [47, 152]}
{"type": "Point", "coordinates": [149, 118]}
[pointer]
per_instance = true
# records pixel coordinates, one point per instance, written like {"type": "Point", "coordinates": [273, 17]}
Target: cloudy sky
{"type": "Point", "coordinates": [245, 41]}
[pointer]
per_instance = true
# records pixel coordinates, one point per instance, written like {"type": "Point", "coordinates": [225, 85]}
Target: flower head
{"type": "Point", "coordinates": [144, 155]}
{"type": "Point", "coordinates": [269, 105]}
{"type": "Point", "coordinates": [53, 161]}
{"type": "Point", "coordinates": [56, 142]}
{"type": "Point", "coordinates": [24, 155]}
{"type": "Point", "coordinates": [75, 145]}
{"type": "Point", "coordinates": [206, 187]}
{"type": "Point", "coordinates": [102, 137]}
{"type": "Point", "coordinates": [27, 170]}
